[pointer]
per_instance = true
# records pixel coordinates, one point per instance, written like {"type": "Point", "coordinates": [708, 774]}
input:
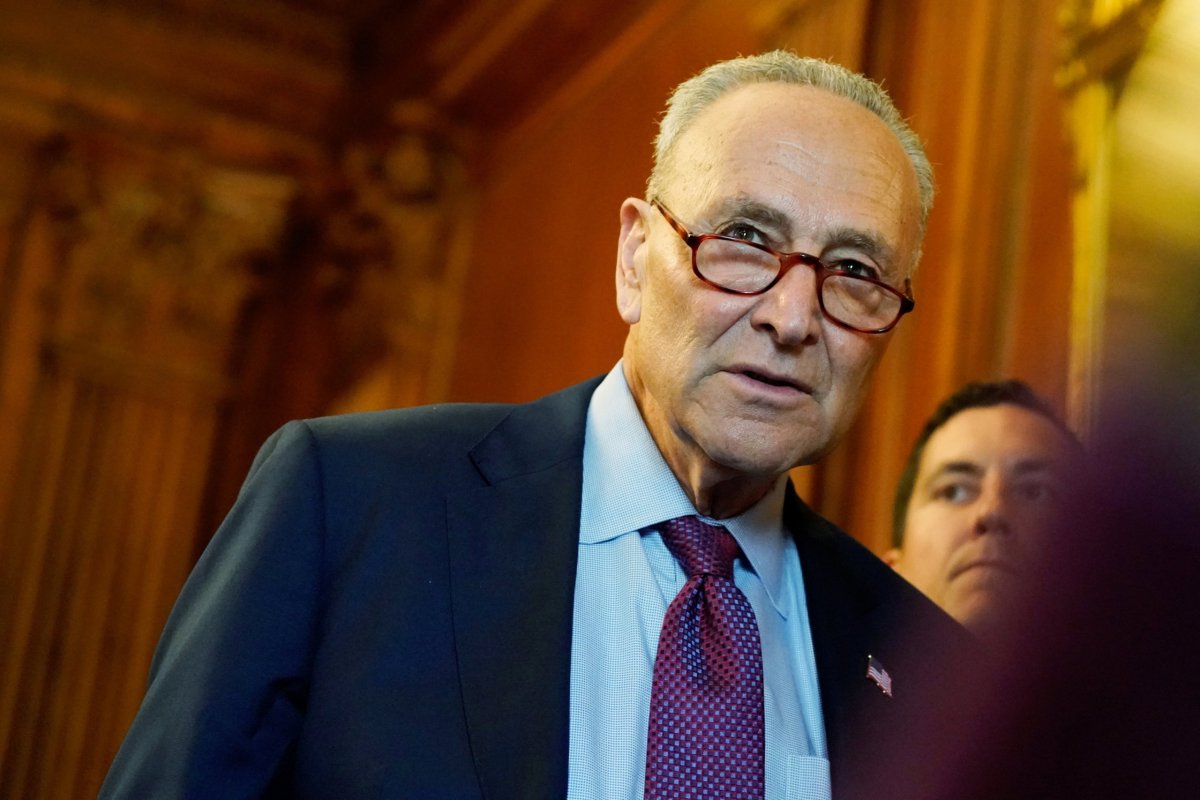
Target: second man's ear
{"type": "Point", "coordinates": [892, 557]}
{"type": "Point", "coordinates": [631, 258]}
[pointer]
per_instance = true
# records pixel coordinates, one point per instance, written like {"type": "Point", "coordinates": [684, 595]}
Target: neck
{"type": "Point", "coordinates": [724, 499]}
{"type": "Point", "coordinates": [715, 489]}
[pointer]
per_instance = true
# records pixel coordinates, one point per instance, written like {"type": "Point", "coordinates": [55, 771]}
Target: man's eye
{"type": "Point", "coordinates": [953, 492]}
{"type": "Point", "coordinates": [1037, 493]}
{"type": "Point", "coordinates": [744, 232]}
{"type": "Point", "coordinates": [850, 266]}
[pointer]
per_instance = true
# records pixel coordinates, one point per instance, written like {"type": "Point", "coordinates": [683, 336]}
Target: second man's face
{"type": "Point", "coordinates": [754, 385]}
{"type": "Point", "coordinates": [988, 493]}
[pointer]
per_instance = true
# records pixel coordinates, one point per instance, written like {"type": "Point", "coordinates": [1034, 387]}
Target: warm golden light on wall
{"type": "Point", "coordinates": [1154, 256]}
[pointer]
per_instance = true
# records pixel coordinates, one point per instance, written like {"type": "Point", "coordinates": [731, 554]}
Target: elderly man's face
{"type": "Point", "coordinates": [752, 386]}
{"type": "Point", "coordinates": [988, 491]}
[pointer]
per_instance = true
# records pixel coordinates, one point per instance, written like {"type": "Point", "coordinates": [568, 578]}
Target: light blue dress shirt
{"type": "Point", "coordinates": [625, 581]}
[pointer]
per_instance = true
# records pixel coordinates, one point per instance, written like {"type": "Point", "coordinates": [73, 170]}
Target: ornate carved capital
{"type": "Point", "coordinates": [1102, 38]}
{"type": "Point", "coordinates": [155, 255]}
{"type": "Point", "coordinates": [384, 233]}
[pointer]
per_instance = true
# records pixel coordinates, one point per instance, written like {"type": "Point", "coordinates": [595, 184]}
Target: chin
{"type": "Point", "coordinates": [757, 449]}
{"type": "Point", "coordinates": [756, 462]}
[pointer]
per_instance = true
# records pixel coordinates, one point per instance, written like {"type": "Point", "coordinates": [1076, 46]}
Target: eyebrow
{"type": "Point", "coordinates": [1027, 466]}
{"type": "Point", "coordinates": [872, 244]}
{"type": "Point", "coordinates": [1022, 468]}
{"type": "Point", "coordinates": [969, 468]}
{"type": "Point", "coordinates": [754, 210]}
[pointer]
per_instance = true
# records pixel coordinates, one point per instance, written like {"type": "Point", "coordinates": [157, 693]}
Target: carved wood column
{"type": "Point", "coordinates": [360, 304]}
{"type": "Point", "coordinates": [163, 311]}
{"type": "Point", "coordinates": [140, 262]}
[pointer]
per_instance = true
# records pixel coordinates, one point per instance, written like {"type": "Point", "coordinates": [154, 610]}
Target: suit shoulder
{"type": "Point", "coordinates": [430, 433]}
{"type": "Point", "coordinates": [876, 582]}
{"type": "Point", "coordinates": [443, 425]}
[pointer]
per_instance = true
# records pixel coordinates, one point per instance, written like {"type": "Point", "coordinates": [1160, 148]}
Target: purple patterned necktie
{"type": "Point", "coordinates": [706, 703]}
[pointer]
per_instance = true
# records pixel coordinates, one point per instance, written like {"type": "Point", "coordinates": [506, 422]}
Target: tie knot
{"type": "Point", "coordinates": [700, 548]}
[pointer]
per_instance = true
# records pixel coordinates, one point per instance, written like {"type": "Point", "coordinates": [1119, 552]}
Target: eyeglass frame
{"type": "Point", "coordinates": [786, 262]}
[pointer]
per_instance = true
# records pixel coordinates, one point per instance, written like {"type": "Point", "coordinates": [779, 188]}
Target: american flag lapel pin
{"type": "Point", "coordinates": [877, 673]}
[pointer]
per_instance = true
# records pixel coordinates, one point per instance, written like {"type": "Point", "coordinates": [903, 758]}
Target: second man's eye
{"type": "Point", "coordinates": [1036, 492]}
{"type": "Point", "coordinates": [954, 492]}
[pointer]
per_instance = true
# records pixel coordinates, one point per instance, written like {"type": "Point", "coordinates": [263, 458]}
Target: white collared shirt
{"type": "Point", "coordinates": [625, 581]}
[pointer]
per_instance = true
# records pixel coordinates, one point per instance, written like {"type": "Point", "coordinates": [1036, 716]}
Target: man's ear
{"type": "Point", "coordinates": [631, 258]}
{"type": "Point", "coordinates": [892, 557]}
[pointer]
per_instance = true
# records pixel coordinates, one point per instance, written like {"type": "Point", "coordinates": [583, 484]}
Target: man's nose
{"type": "Point", "coordinates": [991, 511]}
{"type": "Point", "coordinates": [790, 311]}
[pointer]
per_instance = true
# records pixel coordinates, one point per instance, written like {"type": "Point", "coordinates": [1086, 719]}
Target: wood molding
{"type": "Point", "coordinates": [1101, 42]}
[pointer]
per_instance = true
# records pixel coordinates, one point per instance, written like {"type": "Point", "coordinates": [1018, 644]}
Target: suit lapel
{"type": "Point", "coordinates": [840, 608]}
{"type": "Point", "coordinates": [857, 608]}
{"type": "Point", "coordinates": [513, 551]}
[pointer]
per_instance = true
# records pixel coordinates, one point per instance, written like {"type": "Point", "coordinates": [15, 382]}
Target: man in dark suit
{"type": "Point", "coordinates": [466, 601]}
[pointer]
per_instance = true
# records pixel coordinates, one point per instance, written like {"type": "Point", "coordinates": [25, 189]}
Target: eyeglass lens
{"type": "Point", "coordinates": [743, 268]}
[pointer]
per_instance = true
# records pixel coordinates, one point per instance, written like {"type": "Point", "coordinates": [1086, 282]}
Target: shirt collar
{"type": "Point", "coordinates": [629, 487]}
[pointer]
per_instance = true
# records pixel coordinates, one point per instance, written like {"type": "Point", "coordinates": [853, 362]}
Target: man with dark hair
{"type": "Point", "coordinates": [981, 488]}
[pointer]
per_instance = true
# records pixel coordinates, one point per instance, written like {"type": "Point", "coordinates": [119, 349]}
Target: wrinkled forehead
{"type": "Point", "coordinates": [808, 152]}
{"type": "Point", "coordinates": [1004, 436]}
{"type": "Point", "coordinates": [787, 115]}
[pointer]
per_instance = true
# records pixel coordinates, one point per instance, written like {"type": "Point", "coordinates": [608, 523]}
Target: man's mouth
{"type": "Point", "coordinates": [771, 380]}
{"type": "Point", "coordinates": [991, 564]}
{"type": "Point", "coordinates": [775, 379]}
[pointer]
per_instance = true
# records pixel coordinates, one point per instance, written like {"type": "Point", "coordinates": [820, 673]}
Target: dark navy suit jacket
{"type": "Point", "coordinates": [386, 613]}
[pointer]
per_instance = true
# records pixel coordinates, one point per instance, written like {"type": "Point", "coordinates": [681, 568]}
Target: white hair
{"type": "Point", "coordinates": [697, 93]}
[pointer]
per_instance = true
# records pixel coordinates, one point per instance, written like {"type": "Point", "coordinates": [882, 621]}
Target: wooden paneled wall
{"type": "Point", "coordinates": [127, 283]}
{"type": "Point", "coordinates": [993, 288]}
{"type": "Point", "coordinates": [166, 301]}
{"type": "Point", "coordinates": [169, 295]}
